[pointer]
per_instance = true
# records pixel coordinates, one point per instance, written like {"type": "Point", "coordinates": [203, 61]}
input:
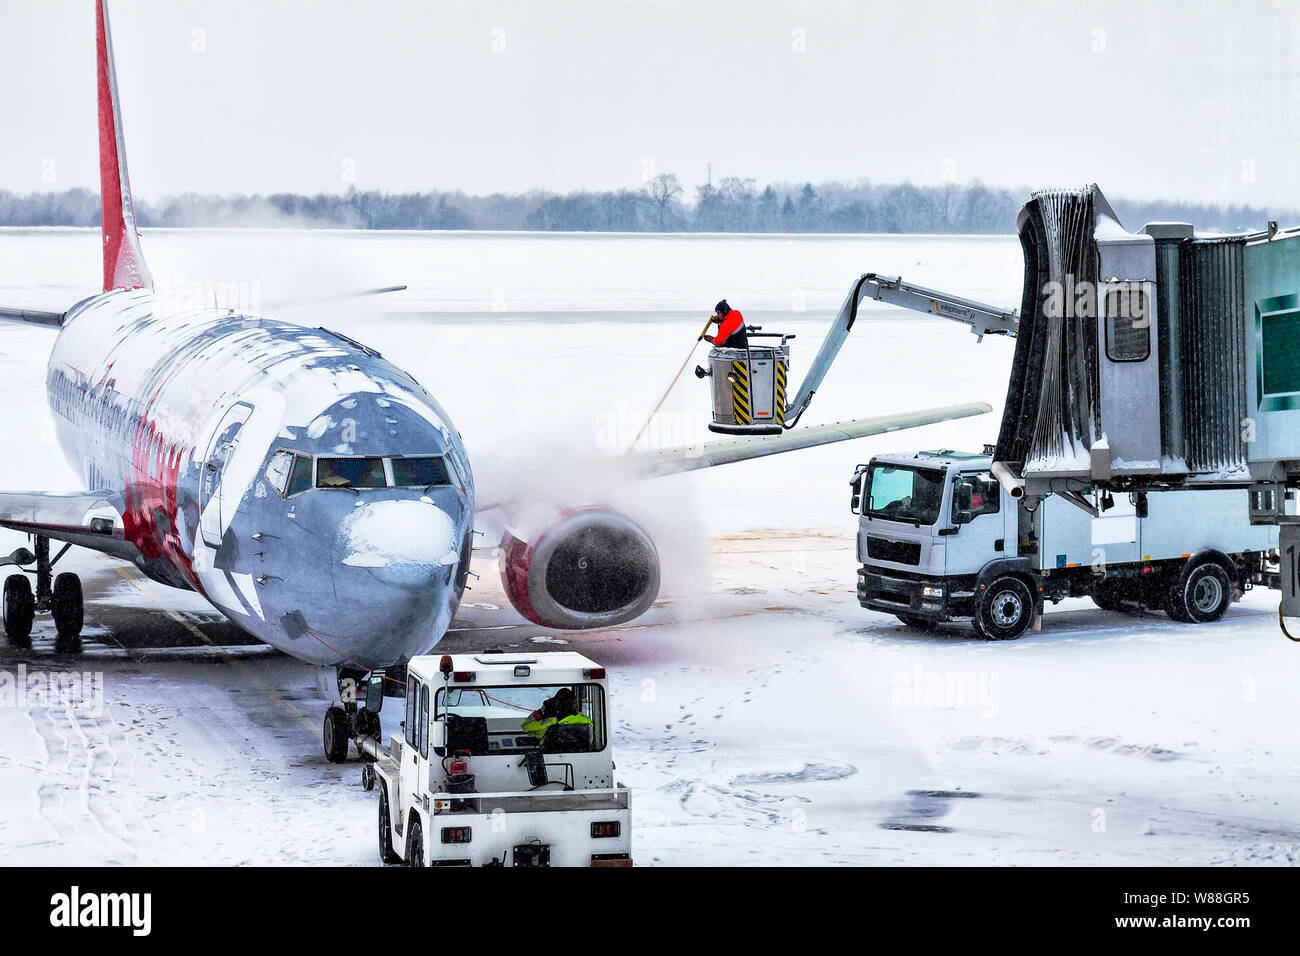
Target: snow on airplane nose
{"type": "Point", "coordinates": [402, 543]}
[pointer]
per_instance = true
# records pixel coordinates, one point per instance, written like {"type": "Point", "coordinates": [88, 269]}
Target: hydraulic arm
{"type": "Point", "coordinates": [982, 319]}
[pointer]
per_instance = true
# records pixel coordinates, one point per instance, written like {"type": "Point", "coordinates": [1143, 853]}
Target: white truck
{"type": "Point", "coordinates": [939, 539]}
{"type": "Point", "coordinates": [503, 759]}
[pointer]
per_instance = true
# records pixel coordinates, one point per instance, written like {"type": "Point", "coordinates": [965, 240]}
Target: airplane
{"type": "Point", "coordinates": [311, 490]}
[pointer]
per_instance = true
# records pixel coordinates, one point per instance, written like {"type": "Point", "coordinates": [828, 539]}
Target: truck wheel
{"type": "Point", "coordinates": [19, 610]}
{"type": "Point", "coordinates": [1005, 610]}
{"type": "Point", "coordinates": [415, 845]}
{"type": "Point", "coordinates": [1108, 596]}
{"type": "Point", "coordinates": [335, 735]}
{"type": "Point", "coordinates": [386, 854]}
{"type": "Point", "coordinates": [1200, 594]}
{"type": "Point", "coordinates": [920, 623]}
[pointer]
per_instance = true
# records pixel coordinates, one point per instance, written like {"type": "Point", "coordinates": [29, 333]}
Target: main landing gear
{"type": "Point", "coordinates": [60, 595]}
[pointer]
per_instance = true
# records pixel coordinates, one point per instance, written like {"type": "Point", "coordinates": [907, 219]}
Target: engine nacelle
{"type": "Point", "coordinates": [592, 568]}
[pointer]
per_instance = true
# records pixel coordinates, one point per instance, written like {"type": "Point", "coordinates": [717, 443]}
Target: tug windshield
{"type": "Point", "coordinates": [499, 720]}
{"type": "Point", "coordinates": [900, 493]}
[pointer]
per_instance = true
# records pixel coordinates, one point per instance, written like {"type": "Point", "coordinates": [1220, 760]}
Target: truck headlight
{"type": "Point", "coordinates": [932, 591]}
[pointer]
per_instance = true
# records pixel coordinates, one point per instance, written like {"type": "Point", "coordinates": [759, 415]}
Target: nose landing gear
{"type": "Point", "coordinates": [60, 595]}
{"type": "Point", "coordinates": [357, 718]}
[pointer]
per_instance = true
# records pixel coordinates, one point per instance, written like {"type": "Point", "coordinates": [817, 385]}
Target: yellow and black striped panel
{"type": "Point", "coordinates": [740, 392]}
{"type": "Point", "coordinates": [780, 392]}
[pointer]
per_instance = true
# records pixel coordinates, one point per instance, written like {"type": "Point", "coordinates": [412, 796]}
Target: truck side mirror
{"type": "Point", "coordinates": [963, 496]}
{"type": "Point", "coordinates": [961, 503]}
{"type": "Point", "coordinates": [855, 483]}
{"type": "Point", "coordinates": [375, 693]}
{"type": "Point", "coordinates": [1140, 503]}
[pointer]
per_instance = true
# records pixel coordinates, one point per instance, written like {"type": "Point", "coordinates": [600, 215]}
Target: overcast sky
{"type": "Point", "coordinates": [1191, 99]}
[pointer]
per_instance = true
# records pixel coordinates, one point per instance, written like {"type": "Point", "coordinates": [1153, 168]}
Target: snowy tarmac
{"type": "Point", "coordinates": [760, 715]}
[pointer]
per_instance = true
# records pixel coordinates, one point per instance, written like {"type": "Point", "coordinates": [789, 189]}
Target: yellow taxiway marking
{"type": "Point", "coordinates": [132, 577]}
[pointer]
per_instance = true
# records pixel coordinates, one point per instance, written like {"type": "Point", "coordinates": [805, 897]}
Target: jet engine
{"type": "Point", "coordinates": [590, 568]}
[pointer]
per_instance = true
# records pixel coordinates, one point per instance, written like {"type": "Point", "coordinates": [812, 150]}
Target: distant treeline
{"type": "Point", "coordinates": [730, 205]}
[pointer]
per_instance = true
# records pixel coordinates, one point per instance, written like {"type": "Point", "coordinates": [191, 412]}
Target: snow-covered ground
{"type": "Point", "coordinates": [762, 716]}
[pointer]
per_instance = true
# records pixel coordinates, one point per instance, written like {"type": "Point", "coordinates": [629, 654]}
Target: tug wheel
{"type": "Point", "coordinates": [335, 735]}
{"type": "Point", "coordinates": [415, 844]}
{"type": "Point", "coordinates": [386, 853]}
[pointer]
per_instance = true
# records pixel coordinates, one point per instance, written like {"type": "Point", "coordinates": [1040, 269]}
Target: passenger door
{"type": "Point", "coordinates": [217, 508]}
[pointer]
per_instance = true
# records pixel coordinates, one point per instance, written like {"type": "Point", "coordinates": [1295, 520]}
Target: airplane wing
{"type": "Point", "coordinates": [671, 461]}
{"type": "Point", "coordinates": [657, 463]}
{"type": "Point", "coordinates": [32, 317]}
{"type": "Point", "coordinates": [76, 517]}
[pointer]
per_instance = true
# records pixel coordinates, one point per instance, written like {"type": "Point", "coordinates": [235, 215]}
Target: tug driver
{"type": "Point", "coordinates": [731, 327]}
{"type": "Point", "coordinates": [558, 711]}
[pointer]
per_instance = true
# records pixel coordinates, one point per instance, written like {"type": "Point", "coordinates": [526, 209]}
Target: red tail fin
{"type": "Point", "coordinates": [124, 265]}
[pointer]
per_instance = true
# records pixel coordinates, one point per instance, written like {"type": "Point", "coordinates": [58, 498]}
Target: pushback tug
{"type": "Point", "coordinates": [488, 772]}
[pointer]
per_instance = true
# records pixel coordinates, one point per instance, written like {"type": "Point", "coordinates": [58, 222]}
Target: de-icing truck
{"type": "Point", "coordinates": [940, 539]}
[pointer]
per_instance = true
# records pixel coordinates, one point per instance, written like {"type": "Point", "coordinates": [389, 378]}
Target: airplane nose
{"type": "Point", "coordinates": [402, 543]}
{"type": "Point", "coordinates": [393, 570]}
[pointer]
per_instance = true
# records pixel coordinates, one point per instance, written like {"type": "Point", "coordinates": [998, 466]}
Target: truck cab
{"type": "Point", "coordinates": [940, 539]}
{"type": "Point", "coordinates": [503, 759]}
{"type": "Point", "coordinates": [929, 523]}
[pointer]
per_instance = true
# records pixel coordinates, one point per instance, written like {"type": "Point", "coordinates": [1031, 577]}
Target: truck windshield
{"type": "Point", "coordinates": [499, 720]}
{"type": "Point", "coordinates": [900, 493]}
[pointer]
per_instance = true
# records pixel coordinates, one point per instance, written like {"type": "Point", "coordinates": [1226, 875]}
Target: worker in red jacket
{"type": "Point", "coordinates": [731, 327]}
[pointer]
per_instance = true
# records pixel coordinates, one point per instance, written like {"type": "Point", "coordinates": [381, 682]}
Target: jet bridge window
{"type": "Point", "coordinates": [350, 473]}
{"type": "Point", "coordinates": [499, 720]}
{"type": "Point", "coordinates": [1128, 325]}
{"type": "Point", "coordinates": [420, 472]}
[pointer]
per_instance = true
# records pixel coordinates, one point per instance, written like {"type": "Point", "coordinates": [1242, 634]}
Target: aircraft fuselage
{"type": "Point", "coordinates": [312, 491]}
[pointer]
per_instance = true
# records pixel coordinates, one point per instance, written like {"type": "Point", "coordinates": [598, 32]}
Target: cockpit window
{"type": "Point", "coordinates": [420, 472]}
{"type": "Point", "coordinates": [350, 473]}
{"type": "Point", "coordinates": [300, 477]}
{"type": "Point", "coordinates": [277, 470]}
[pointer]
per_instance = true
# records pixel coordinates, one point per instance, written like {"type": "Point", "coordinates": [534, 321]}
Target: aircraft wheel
{"type": "Point", "coordinates": [335, 735]}
{"type": "Point", "coordinates": [19, 610]}
{"type": "Point", "coordinates": [386, 853]}
{"type": "Point", "coordinates": [68, 608]}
